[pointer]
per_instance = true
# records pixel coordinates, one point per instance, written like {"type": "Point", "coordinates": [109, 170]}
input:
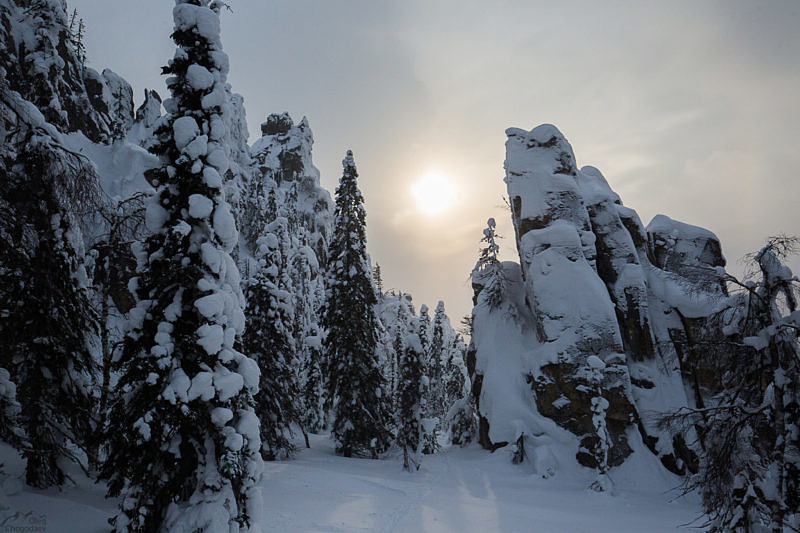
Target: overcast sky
{"type": "Point", "coordinates": [689, 108]}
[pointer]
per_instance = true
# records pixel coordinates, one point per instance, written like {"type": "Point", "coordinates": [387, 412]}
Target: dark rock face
{"type": "Point", "coordinates": [564, 394]}
{"type": "Point", "coordinates": [150, 111]}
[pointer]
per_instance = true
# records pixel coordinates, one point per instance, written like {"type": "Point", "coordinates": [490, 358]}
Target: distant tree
{"type": "Point", "coordinates": [454, 373]}
{"type": "Point", "coordinates": [313, 417]}
{"type": "Point", "coordinates": [354, 382]}
{"type": "Point", "coordinates": [376, 277]}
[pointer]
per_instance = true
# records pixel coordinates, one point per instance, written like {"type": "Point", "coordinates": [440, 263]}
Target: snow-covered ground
{"type": "Point", "coordinates": [461, 490]}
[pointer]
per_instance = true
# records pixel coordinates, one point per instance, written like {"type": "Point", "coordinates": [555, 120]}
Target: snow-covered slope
{"type": "Point", "coordinates": [465, 490]}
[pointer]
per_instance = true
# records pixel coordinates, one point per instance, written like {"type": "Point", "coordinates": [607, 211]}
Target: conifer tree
{"type": "Point", "coordinates": [436, 405]}
{"type": "Point", "coordinates": [489, 270]}
{"type": "Point", "coordinates": [429, 444]}
{"type": "Point", "coordinates": [354, 382]}
{"type": "Point", "coordinates": [411, 400]}
{"type": "Point", "coordinates": [313, 418]}
{"type": "Point", "coordinates": [376, 277]}
{"type": "Point", "coordinates": [46, 319]}
{"type": "Point", "coordinates": [454, 373]}
{"type": "Point", "coordinates": [268, 341]}
{"type": "Point", "coordinates": [184, 448]}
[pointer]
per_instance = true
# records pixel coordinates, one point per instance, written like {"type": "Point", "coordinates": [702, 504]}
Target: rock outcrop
{"type": "Point", "coordinates": [282, 159]}
{"type": "Point", "coordinates": [43, 60]}
{"type": "Point", "coordinates": [610, 313]}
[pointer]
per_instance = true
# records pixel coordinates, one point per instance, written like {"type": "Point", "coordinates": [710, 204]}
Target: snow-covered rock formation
{"type": "Point", "coordinates": [283, 165]}
{"type": "Point", "coordinates": [43, 60]}
{"type": "Point", "coordinates": [600, 320]}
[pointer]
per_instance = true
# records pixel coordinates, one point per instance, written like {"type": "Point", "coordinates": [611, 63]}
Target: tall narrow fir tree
{"type": "Point", "coordinates": [184, 450]}
{"type": "Point", "coordinates": [355, 383]}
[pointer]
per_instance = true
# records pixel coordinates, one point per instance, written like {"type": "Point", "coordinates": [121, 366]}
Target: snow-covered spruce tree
{"type": "Point", "coordinates": [436, 406]}
{"type": "Point", "coordinates": [304, 277]}
{"type": "Point", "coordinates": [46, 319]}
{"type": "Point", "coordinates": [308, 340]}
{"type": "Point", "coordinates": [354, 382]}
{"type": "Point", "coordinates": [184, 439]}
{"type": "Point", "coordinates": [454, 373]}
{"type": "Point", "coordinates": [462, 417]}
{"type": "Point", "coordinates": [428, 422]}
{"type": "Point", "coordinates": [313, 416]}
{"type": "Point", "coordinates": [410, 400]}
{"type": "Point", "coordinates": [268, 340]}
{"type": "Point", "coordinates": [489, 268]}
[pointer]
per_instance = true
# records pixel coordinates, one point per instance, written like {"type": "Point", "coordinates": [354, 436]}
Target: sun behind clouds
{"type": "Point", "coordinates": [434, 193]}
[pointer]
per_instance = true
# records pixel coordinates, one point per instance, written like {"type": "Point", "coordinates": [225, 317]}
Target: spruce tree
{"type": "Point", "coordinates": [268, 340]}
{"type": "Point", "coordinates": [454, 373]}
{"type": "Point", "coordinates": [436, 406]}
{"type": "Point", "coordinates": [378, 280]}
{"type": "Point", "coordinates": [411, 400]}
{"type": "Point", "coordinates": [489, 270]}
{"type": "Point", "coordinates": [355, 383]}
{"type": "Point", "coordinates": [184, 443]}
{"type": "Point", "coordinates": [46, 318]}
{"type": "Point", "coordinates": [429, 444]}
{"type": "Point", "coordinates": [313, 417]}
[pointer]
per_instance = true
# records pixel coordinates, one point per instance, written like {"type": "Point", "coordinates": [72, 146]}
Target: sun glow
{"type": "Point", "coordinates": [434, 193]}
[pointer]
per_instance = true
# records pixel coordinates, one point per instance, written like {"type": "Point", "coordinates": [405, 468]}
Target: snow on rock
{"type": "Point", "coordinates": [283, 162]}
{"type": "Point", "coordinates": [688, 251]}
{"type": "Point", "coordinates": [599, 310]}
{"type": "Point", "coordinates": [574, 315]}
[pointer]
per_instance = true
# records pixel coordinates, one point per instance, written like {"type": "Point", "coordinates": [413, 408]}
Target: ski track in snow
{"type": "Point", "coordinates": [417, 499]}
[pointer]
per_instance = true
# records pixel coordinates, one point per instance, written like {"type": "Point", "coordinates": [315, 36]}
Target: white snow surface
{"type": "Point", "coordinates": [465, 490]}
